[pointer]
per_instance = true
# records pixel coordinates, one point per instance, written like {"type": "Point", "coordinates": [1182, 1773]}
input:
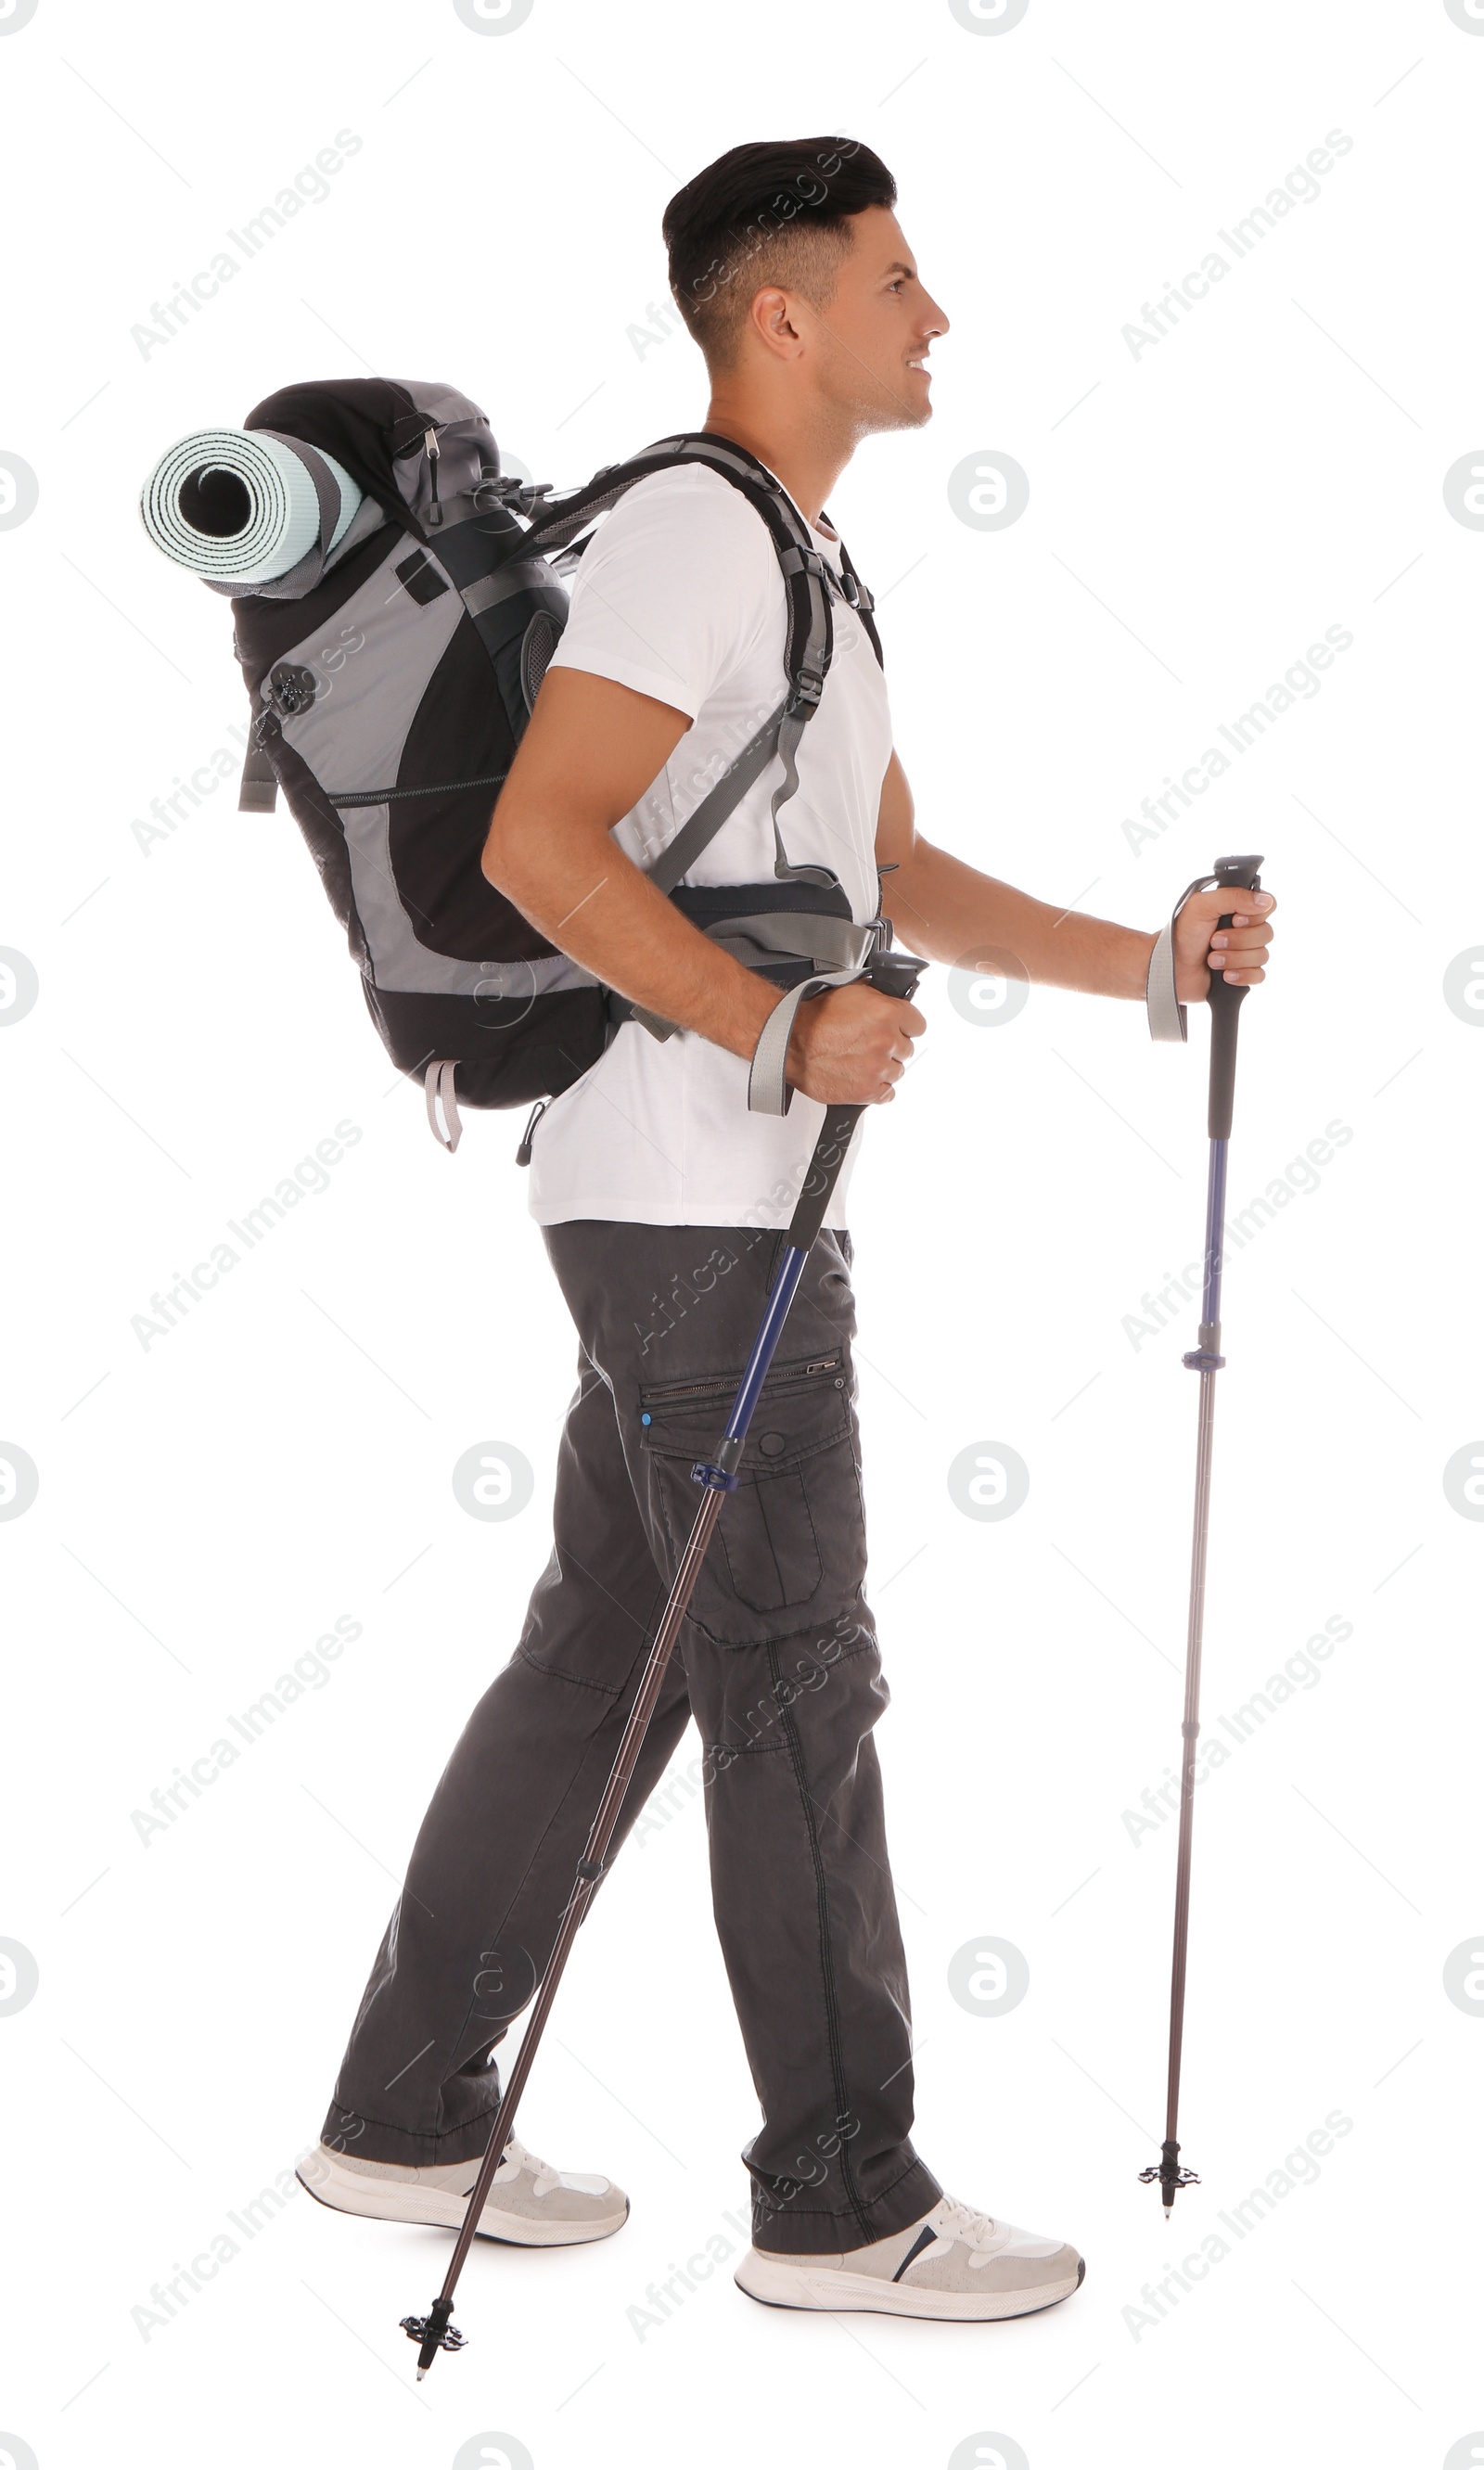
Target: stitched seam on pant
{"type": "Point", "coordinates": [842, 2110]}
{"type": "Point", "coordinates": [554, 1672]}
{"type": "Point", "coordinates": [783, 1637]}
{"type": "Point", "coordinates": [685, 1456]}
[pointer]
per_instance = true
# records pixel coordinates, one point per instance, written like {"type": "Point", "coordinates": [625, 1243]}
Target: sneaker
{"type": "Point", "coordinates": [529, 2203]}
{"type": "Point", "coordinates": [962, 2266]}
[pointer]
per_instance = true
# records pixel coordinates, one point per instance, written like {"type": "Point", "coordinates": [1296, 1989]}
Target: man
{"type": "Point", "coordinates": [662, 1197]}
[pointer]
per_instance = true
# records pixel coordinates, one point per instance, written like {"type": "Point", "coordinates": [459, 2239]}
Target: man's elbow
{"type": "Point", "coordinates": [496, 862]}
{"type": "Point", "coordinates": [502, 867]}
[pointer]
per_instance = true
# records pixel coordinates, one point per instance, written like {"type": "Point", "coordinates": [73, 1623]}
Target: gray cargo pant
{"type": "Point", "coordinates": [778, 1664]}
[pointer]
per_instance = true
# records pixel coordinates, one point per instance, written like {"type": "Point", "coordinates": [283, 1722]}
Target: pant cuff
{"type": "Point", "coordinates": [784, 2229]}
{"type": "Point", "coordinates": [369, 2139]}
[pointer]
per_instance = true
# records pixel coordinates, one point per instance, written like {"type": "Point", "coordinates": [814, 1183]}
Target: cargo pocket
{"type": "Point", "coordinates": [790, 1547]}
{"type": "Point", "coordinates": [767, 1535]}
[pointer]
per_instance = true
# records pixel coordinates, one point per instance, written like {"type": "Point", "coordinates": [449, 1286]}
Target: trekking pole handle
{"type": "Point", "coordinates": [891, 973]}
{"type": "Point", "coordinates": [1236, 875]}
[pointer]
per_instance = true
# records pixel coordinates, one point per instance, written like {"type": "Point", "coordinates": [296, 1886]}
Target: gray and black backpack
{"type": "Point", "coordinates": [392, 670]}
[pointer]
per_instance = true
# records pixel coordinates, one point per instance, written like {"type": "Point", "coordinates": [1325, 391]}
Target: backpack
{"type": "Point", "coordinates": [393, 672]}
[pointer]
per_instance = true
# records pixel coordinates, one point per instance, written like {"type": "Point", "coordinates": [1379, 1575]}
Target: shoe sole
{"type": "Point", "coordinates": [784, 2285]}
{"type": "Point", "coordinates": [436, 2208]}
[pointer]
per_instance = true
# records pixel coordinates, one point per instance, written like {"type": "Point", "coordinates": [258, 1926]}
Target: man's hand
{"type": "Point", "coordinates": [1238, 950]}
{"type": "Point", "coordinates": [851, 1045]}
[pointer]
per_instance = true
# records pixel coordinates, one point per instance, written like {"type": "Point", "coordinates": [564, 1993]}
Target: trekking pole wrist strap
{"type": "Point", "coordinates": [1166, 1012]}
{"type": "Point", "coordinates": [768, 1090]}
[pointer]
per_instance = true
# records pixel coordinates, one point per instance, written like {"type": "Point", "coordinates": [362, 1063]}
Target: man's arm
{"type": "Point", "coordinates": [943, 909]}
{"type": "Point", "coordinates": [592, 750]}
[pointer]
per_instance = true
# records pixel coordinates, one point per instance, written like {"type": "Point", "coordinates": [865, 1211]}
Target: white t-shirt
{"type": "Point", "coordinates": [680, 597]}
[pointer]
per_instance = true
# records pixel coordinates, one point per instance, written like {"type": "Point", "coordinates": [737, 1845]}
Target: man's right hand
{"type": "Point", "coordinates": [851, 1045]}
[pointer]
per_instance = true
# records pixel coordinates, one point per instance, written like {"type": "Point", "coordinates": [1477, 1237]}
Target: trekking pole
{"type": "Point", "coordinates": [1226, 1001]}
{"type": "Point", "coordinates": [893, 975]}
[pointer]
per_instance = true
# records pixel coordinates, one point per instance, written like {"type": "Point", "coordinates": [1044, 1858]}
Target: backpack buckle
{"type": "Point", "coordinates": [517, 497]}
{"type": "Point", "coordinates": [807, 561]}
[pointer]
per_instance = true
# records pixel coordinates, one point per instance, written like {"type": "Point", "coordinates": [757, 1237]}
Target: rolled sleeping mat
{"type": "Point", "coordinates": [242, 507]}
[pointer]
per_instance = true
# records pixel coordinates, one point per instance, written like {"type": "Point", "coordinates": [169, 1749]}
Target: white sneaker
{"type": "Point", "coordinates": [961, 2265]}
{"type": "Point", "coordinates": [529, 2203]}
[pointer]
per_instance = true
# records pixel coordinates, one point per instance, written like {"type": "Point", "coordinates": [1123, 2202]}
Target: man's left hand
{"type": "Point", "coordinates": [1238, 950]}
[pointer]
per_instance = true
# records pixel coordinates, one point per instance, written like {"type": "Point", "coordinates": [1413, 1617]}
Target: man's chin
{"type": "Point", "coordinates": [920, 398]}
{"type": "Point", "coordinates": [903, 411]}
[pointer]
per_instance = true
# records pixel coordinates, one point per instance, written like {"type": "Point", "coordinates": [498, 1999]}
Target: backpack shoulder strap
{"type": "Point", "coordinates": [808, 645]}
{"type": "Point", "coordinates": [854, 592]}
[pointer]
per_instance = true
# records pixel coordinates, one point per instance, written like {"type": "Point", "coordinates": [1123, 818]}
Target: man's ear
{"type": "Point", "coordinates": [771, 315]}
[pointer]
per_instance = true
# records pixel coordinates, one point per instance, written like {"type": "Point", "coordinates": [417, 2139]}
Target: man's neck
{"type": "Point", "coordinates": [808, 462]}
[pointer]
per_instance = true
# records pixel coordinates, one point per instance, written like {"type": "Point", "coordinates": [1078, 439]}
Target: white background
{"type": "Point", "coordinates": [209, 1505]}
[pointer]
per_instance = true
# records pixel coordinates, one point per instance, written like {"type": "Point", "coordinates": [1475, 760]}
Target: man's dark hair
{"type": "Point", "coordinates": [764, 214]}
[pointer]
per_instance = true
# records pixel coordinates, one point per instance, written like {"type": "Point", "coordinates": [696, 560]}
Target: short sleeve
{"type": "Point", "coordinates": [678, 585]}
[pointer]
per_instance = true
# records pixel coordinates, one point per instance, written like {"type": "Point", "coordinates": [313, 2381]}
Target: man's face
{"type": "Point", "coordinates": [872, 337]}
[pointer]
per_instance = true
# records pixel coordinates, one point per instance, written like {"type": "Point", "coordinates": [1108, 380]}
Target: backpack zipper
{"type": "Point", "coordinates": [435, 789]}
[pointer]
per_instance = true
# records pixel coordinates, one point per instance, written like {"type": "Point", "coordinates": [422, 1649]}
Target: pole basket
{"type": "Point", "coordinates": [1171, 2176]}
